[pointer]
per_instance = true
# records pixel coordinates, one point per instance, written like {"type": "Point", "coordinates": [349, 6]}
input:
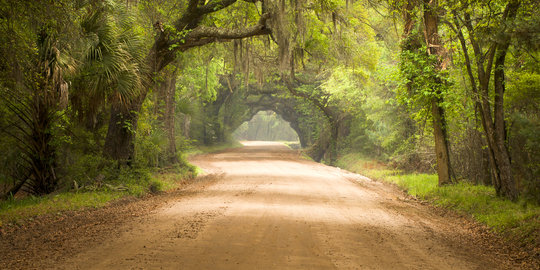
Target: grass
{"type": "Point", "coordinates": [17, 210]}
{"type": "Point", "coordinates": [126, 182]}
{"type": "Point", "coordinates": [520, 220]}
{"type": "Point", "coordinates": [133, 182]}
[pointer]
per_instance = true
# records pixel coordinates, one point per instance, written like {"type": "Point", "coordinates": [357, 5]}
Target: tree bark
{"type": "Point", "coordinates": [493, 124]}
{"type": "Point", "coordinates": [507, 185]}
{"type": "Point", "coordinates": [166, 114]}
{"type": "Point", "coordinates": [120, 140]}
{"type": "Point", "coordinates": [434, 47]}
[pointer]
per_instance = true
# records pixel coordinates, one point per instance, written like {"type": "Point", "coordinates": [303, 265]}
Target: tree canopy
{"type": "Point", "coordinates": [445, 86]}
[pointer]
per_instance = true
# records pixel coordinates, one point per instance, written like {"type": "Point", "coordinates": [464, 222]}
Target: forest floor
{"type": "Point", "coordinates": [261, 207]}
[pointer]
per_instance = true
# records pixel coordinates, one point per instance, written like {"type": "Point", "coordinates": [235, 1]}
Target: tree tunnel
{"type": "Point", "coordinates": [266, 126]}
{"type": "Point", "coordinates": [284, 107]}
{"type": "Point", "coordinates": [236, 104]}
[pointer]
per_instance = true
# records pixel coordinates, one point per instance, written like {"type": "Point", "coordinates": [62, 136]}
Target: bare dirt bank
{"type": "Point", "coordinates": [262, 207]}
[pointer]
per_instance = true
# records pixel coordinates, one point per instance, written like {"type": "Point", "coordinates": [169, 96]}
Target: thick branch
{"type": "Point", "coordinates": [222, 33]}
{"type": "Point", "coordinates": [215, 5]}
{"type": "Point", "coordinates": [326, 110]}
{"type": "Point", "coordinates": [203, 35]}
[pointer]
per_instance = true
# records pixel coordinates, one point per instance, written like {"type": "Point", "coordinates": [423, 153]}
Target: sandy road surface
{"type": "Point", "coordinates": [260, 207]}
{"type": "Point", "coordinates": [269, 209]}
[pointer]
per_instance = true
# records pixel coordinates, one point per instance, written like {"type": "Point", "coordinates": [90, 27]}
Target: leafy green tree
{"type": "Point", "coordinates": [184, 33]}
{"type": "Point", "coordinates": [490, 57]}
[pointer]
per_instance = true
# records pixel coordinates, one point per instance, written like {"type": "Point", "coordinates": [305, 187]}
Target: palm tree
{"type": "Point", "coordinates": [34, 108]}
{"type": "Point", "coordinates": [111, 61]}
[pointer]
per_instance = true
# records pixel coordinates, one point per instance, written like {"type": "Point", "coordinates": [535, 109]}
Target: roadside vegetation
{"type": "Point", "coordinates": [113, 183]}
{"type": "Point", "coordinates": [117, 184]}
{"type": "Point", "coordinates": [518, 221]}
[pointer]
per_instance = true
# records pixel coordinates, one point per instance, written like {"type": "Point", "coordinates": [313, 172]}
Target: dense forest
{"type": "Point", "coordinates": [91, 89]}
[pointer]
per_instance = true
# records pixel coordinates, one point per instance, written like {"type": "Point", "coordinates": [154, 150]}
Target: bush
{"type": "Point", "coordinates": [89, 171]}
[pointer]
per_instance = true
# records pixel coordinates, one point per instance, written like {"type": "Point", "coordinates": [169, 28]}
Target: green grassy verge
{"type": "Point", "coordinates": [18, 210]}
{"type": "Point", "coordinates": [113, 184]}
{"type": "Point", "coordinates": [134, 182]}
{"type": "Point", "coordinates": [519, 220]}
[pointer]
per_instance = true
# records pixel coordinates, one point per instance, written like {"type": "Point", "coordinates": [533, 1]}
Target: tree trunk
{"type": "Point", "coordinates": [120, 140]}
{"type": "Point", "coordinates": [170, 109]}
{"type": "Point", "coordinates": [494, 127]}
{"type": "Point", "coordinates": [186, 124]}
{"type": "Point", "coordinates": [434, 47]}
{"type": "Point", "coordinates": [331, 148]}
{"type": "Point", "coordinates": [507, 185]}
{"type": "Point", "coordinates": [119, 143]}
{"type": "Point", "coordinates": [166, 114]}
{"type": "Point", "coordinates": [213, 124]}
{"type": "Point", "coordinates": [441, 143]}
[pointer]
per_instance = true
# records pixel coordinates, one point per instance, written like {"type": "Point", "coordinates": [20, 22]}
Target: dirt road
{"type": "Point", "coordinates": [266, 208]}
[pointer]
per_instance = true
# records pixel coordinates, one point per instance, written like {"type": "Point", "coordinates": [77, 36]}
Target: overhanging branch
{"type": "Point", "coordinates": [223, 33]}
{"type": "Point", "coordinates": [203, 35]}
{"type": "Point", "coordinates": [215, 5]}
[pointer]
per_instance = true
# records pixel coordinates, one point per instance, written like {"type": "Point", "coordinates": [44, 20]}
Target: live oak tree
{"type": "Point", "coordinates": [185, 33]}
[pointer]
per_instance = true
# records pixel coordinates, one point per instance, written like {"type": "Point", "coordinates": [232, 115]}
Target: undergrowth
{"type": "Point", "coordinates": [17, 210]}
{"type": "Point", "coordinates": [93, 182]}
{"type": "Point", "coordinates": [519, 220]}
{"type": "Point", "coordinates": [110, 185]}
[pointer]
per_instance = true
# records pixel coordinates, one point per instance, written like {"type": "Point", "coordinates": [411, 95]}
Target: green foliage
{"type": "Point", "coordinates": [201, 78]}
{"type": "Point", "coordinates": [344, 87]}
{"type": "Point", "coordinates": [88, 172]}
{"type": "Point", "coordinates": [19, 210]}
{"type": "Point", "coordinates": [94, 173]}
{"type": "Point", "coordinates": [422, 82]}
{"type": "Point", "coordinates": [111, 56]}
{"type": "Point", "coordinates": [33, 87]}
{"type": "Point", "coordinates": [150, 146]}
{"type": "Point", "coordinates": [523, 97]}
